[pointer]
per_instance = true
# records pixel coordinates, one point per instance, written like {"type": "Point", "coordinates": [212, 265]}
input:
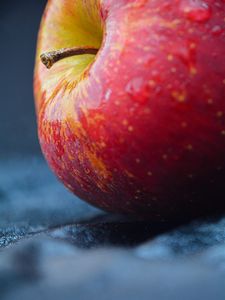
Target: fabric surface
{"type": "Point", "coordinates": [55, 245]}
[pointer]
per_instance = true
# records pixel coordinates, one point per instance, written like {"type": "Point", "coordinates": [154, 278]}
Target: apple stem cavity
{"type": "Point", "coordinates": [50, 58]}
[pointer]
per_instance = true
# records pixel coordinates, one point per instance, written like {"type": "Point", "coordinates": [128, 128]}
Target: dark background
{"type": "Point", "coordinates": [19, 23]}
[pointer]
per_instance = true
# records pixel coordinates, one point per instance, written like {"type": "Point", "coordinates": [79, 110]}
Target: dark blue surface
{"type": "Point", "coordinates": [54, 244]}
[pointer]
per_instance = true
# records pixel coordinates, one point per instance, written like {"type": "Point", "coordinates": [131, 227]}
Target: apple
{"type": "Point", "coordinates": [131, 109]}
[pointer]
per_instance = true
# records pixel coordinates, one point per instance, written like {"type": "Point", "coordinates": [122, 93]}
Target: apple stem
{"type": "Point", "coordinates": [50, 58]}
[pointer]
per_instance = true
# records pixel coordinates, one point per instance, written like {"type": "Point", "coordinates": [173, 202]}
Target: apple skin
{"type": "Point", "coordinates": [140, 128]}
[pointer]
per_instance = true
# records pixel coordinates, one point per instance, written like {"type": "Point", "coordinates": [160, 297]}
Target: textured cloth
{"type": "Point", "coordinates": [54, 245]}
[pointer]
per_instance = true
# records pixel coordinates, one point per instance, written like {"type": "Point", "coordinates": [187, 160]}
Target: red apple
{"type": "Point", "coordinates": [139, 127]}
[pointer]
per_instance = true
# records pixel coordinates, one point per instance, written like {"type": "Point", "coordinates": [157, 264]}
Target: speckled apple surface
{"type": "Point", "coordinates": [140, 127]}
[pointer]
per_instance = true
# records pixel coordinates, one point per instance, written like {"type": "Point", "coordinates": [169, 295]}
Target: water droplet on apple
{"type": "Point", "coordinates": [137, 89]}
{"type": "Point", "coordinates": [217, 30]}
{"type": "Point", "coordinates": [108, 94]}
{"type": "Point", "coordinates": [134, 86]}
{"type": "Point", "coordinates": [196, 10]}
